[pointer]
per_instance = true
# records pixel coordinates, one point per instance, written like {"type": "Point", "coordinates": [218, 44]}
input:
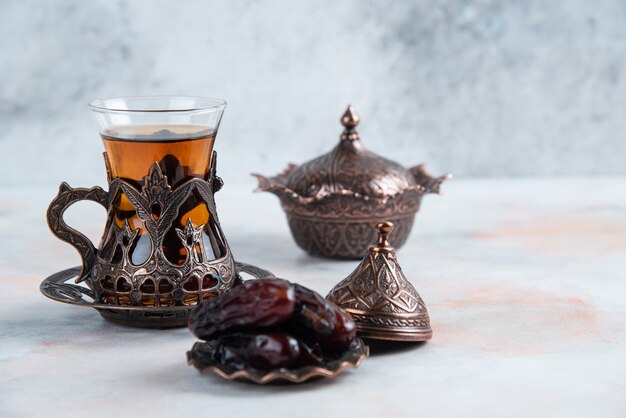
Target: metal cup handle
{"type": "Point", "coordinates": [63, 200]}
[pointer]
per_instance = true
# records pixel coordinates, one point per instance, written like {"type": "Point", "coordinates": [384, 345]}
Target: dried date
{"type": "Point", "coordinates": [314, 313]}
{"type": "Point", "coordinates": [264, 351]}
{"type": "Point", "coordinates": [254, 304]}
{"type": "Point", "coordinates": [310, 354]}
{"type": "Point", "coordinates": [343, 334]}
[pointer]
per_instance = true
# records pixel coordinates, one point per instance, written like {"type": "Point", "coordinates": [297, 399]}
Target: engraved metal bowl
{"type": "Point", "coordinates": [201, 356]}
{"type": "Point", "coordinates": [333, 202]}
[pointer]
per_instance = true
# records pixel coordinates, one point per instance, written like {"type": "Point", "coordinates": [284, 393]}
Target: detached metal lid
{"type": "Point", "coordinates": [383, 303]}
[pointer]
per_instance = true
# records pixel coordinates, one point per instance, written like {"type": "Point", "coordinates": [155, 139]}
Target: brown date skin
{"type": "Point", "coordinates": [343, 334]}
{"type": "Point", "coordinates": [314, 313]}
{"type": "Point", "coordinates": [310, 354]}
{"type": "Point", "coordinates": [265, 351]}
{"type": "Point", "coordinates": [254, 304]}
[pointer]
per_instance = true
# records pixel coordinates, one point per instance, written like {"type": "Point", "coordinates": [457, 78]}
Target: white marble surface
{"type": "Point", "coordinates": [475, 87]}
{"type": "Point", "coordinates": [524, 279]}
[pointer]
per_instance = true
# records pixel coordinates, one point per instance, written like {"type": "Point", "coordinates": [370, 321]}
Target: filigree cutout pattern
{"type": "Point", "coordinates": [154, 281]}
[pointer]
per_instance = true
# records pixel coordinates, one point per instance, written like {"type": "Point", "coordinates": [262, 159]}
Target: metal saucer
{"type": "Point", "coordinates": [201, 356]}
{"type": "Point", "coordinates": [61, 287]}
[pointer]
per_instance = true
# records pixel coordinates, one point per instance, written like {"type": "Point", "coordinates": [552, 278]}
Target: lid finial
{"type": "Point", "coordinates": [350, 119]}
{"type": "Point", "coordinates": [382, 244]}
{"type": "Point", "coordinates": [384, 229]}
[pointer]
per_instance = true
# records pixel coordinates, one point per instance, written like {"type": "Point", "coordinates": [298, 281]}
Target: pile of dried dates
{"type": "Point", "coordinates": [271, 323]}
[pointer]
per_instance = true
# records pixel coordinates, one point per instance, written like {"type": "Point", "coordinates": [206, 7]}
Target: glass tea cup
{"type": "Point", "coordinates": [162, 244]}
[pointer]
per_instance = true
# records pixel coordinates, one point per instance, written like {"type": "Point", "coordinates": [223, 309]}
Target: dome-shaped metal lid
{"type": "Point", "coordinates": [349, 168]}
{"type": "Point", "coordinates": [383, 303]}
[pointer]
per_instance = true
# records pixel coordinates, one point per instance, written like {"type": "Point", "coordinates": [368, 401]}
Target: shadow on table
{"type": "Point", "coordinates": [45, 322]}
{"type": "Point", "coordinates": [189, 380]}
{"type": "Point", "coordinates": [383, 348]}
{"type": "Point", "coordinates": [186, 379]}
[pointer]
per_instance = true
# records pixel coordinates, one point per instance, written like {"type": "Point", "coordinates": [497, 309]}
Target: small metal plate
{"type": "Point", "coordinates": [202, 353]}
{"type": "Point", "coordinates": [61, 288]}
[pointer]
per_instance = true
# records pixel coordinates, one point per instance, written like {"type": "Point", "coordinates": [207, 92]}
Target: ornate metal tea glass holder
{"type": "Point", "coordinates": [157, 292]}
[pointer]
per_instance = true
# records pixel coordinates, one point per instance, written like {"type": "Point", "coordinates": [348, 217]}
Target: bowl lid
{"type": "Point", "coordinates": [350, 168]}
{"type": "Point", "coordinates": [350, 174]}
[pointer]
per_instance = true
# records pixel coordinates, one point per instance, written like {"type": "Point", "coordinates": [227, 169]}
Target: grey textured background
{"type": "Point", "coordinates": [479, 88]}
